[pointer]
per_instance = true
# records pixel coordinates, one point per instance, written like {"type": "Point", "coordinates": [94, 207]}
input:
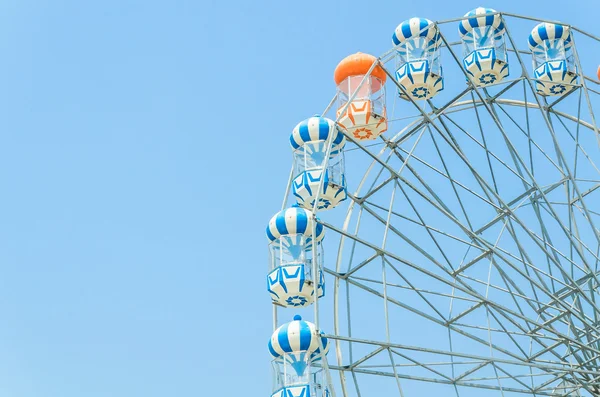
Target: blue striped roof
{"type": "Point", "coordinates": [479, 18]}
{"type": "Point", "coordinates": [300, 340]}
{"type": "Point", "coordinates": [416, 27]}
{"type": "Point", "coordinates": [549, 31]}
{"type": "Point", "coordinates": [317, 128]}
{"type": "Point", "coordinates": [294, 220]}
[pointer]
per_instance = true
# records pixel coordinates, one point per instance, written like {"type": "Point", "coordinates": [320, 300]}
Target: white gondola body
{"type": "Point", "coordinates": [553, 78]}
{"type": "Point", "coordinates": [290, 287]}
{"type": "Point", "coordinates": [362, 121]}
{"type": "Point", "coordinates": [484, 68]}
{"type": "Point", "coordinates": [306, 186]}
{"type": "Point", "coordinates": [418, 80]}
{"type": "Point", "coordinates": [301, 391]}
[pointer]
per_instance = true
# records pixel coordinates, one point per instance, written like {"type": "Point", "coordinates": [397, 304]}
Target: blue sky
{"type": "Point", "coordinates": [143, 148]}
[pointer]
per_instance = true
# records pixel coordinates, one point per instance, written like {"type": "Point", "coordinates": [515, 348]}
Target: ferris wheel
{"type": "Point", "coordinates": [456, 249]}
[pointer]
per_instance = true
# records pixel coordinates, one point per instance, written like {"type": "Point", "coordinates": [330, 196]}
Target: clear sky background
{"type": "Point", "coordinates": [143, 148]}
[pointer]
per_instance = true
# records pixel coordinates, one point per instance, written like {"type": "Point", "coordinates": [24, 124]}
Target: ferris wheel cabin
{"type": "Point", "coordinates": [295, 347]}
{"type": "Point", "coordinates": [291, 254]}
{"type": "Point", "coordinates": [314, 140]}
{"type": "Point", "coordinates": [365, 116]}
{"type": "Point", "coordinates": [419, 70]}
{"type": "Point", "coordinates": [554, 67]}
{"type": "Point", "coordinates": [484, 48]}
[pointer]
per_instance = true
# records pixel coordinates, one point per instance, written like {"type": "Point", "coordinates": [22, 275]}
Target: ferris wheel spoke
{"type": "Point", "coordinates": [425, 315]}
{"type": "Point", "coordinates": [527, 133]}
{"type": "Point", "coordinates": [424, 225]}
{"type": "Point", "coordinates": [554, 251]}
{"type": "Point", "coordinates": [395, 371]}
{"type": "Point", "coordinates": [366, 357]}
{"type": "Point", "coordinates": [488, 152]}
{"type": "Point", "coordinates": [512, 332]}
{"type": "Point", "coordinates": [497, 320]}
{"type": "Point", "coordinates": [563, 97]}
{"type": "Point", "coordinates": [416, 290]}
{"type": "Point", "coordinates": [542, 326]}
{"type": "Point", "coordinates": [547, 323]}
{"type": "Point", "coordinates": [587, 216]}
{"type": "Point", "coordinates": [421, 290]}
{"type": "Point", "coordinates": [477, 359]}
{"type": "Point", "coordinates": [517, 165]}
{"type": "Point", "coordinates": [509, 376]}
{"type": "Point", "coordinates": [586, 93]}
{"type": "Point", "coordinates": [436, 380]}
{"type": "Point", "coordinates": [539, 339]}
{"type": "Point", "coordinates": [360, 200]}
{"type": "Point", "coordinates": [509, 85]}
{"type": "Point", "coordinates": [547, 292]}
{"type": "Point", "coordinates": [428, 367]}
{"type": "Point", "coordinates": [576, 238]}
{"type": "Point", "coordinates": [397, 302]}
{"type": "Point", "coordinates": [365, 262]}
{"type": "Point", "coordinates": [505, 290]}
{"type": "Point", "coordinates": [451, 179]}
{"type": "Point", "coordinates": [554, 214]}
{"type": "Point", "coordinates": [429, 232]}
{"type": "Point", "coordinates": [445, 175]}
{"type": "Point", "coordinates": [404, 237]}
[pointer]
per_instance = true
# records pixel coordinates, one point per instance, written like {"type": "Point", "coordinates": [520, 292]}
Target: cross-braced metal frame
{"type": "Point", "coordinates": [469, 249]}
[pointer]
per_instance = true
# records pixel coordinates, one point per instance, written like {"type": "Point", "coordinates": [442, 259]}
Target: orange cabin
{"type": "Point", "coordinates": [365, 116]}
{"type": "Point", "coordinates": [351, 70]}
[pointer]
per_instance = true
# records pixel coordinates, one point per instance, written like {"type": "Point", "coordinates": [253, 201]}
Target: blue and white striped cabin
{"type": "Point", "coordinates": [315, 177]}
{"type": "Point", "coordinates": [554, 67]}
{"type": "Point", "coordinates": [417, 42]}
{"type": "Point", "coordinates": [291, 233]}
{"type": "Point", "coordinates": [295, 346]}
{"type": "Point", "coordinates": [484, 48]}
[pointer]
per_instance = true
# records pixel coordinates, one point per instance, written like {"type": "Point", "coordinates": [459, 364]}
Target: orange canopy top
{"type": "Point", "coordinates": [598, 72]}
{"type": "Point", "coordinates": [357, 64]}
